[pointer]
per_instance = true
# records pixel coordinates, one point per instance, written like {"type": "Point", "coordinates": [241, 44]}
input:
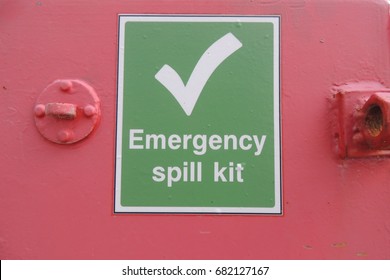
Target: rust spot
{"type": "Point", "coordinates": [361, 254]}
{"type": "Point", "coordinates": [339, 245]}
{"type": "Point", "coordinates": [308, 247]}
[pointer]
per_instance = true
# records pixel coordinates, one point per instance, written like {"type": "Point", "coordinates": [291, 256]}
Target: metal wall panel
{"type": "Point", "coordinates": [56, 201]}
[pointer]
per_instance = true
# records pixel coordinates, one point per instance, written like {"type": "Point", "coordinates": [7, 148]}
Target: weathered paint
{"type": "Point", "coordinates": [56, 201]}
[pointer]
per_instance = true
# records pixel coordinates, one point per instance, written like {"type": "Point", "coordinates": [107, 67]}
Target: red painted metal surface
{"type": "Point", "coordinates": [56, 201]}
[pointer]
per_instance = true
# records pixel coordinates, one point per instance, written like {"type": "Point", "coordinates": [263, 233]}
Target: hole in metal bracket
{"type": "Point", "coordinates": [374, 120]}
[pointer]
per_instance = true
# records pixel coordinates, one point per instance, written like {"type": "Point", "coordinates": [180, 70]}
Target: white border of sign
{"type": "Point", "coordinates": [277, 209]}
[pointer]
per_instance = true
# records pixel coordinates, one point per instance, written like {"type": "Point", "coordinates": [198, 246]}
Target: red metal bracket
{"type": "Point", "coordinates": [363, 123]}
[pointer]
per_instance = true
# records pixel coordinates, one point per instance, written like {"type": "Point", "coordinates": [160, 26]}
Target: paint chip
{"type": "Point", "coordinates": [361, 254]}
{"type": "Point", "coordinates": [339, 245]}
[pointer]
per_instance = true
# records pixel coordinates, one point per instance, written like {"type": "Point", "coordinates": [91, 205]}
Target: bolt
{"type": "Point", "coordinates": [358, 138]}
{"type": "Point", "coordinates": [65, 85]}
{"type": "Point", "coordinates": [89, 110]}
{"type": "Point", "coordinates": [65, 136]}
{"type": "Point", "coordinates": [39, 110]}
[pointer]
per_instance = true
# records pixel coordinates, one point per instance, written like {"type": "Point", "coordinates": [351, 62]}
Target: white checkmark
{"type": "Point", "coordinates": [187, 95]}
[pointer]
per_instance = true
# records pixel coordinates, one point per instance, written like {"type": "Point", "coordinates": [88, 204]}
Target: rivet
{"type": "Point", "coordinates": [39, 110]}
{"type": "Point", "coordinates": [89, 110]}
{"type": "Point", "coordinates": [65, 136]}
{"type": "Point", "coordinates": [65, 85]}
{"type": "Point", "coordinates": [358, 137]}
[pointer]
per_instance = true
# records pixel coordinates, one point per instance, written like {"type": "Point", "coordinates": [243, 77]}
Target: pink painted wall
{"type": "Point", "coordinates": [56, 201]}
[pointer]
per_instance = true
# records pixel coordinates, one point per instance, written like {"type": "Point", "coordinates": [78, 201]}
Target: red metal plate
{"type": "Point", "coordinates": [67, 111]}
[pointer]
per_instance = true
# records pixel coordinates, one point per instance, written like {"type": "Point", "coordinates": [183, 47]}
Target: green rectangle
{"type": "Point", "coordinates": [198, 115]}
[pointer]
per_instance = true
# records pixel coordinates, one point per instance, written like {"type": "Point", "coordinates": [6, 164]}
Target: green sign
{"type": "Point", "coordinates": [198, 115]}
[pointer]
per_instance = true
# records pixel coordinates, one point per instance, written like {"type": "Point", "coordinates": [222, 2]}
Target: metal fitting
{"type": "Point", "coordinates": [376, 122]}
{"type": "Point", "coordinates": [362, 126]}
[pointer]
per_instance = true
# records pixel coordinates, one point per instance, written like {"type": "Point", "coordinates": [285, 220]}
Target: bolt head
{"type": "Point", "coordinates": [65, 85]}
{"type": "Point", "coordinates": [40, 110]}
{"type": "Point", "coordinates": [89, 110]}
{"type": "Point", "coordinates": [65, 136]}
